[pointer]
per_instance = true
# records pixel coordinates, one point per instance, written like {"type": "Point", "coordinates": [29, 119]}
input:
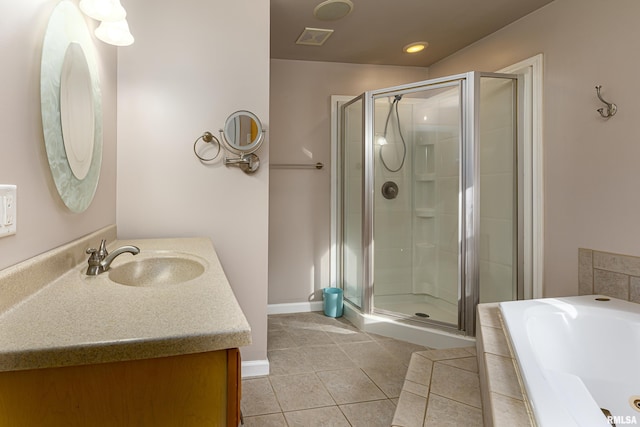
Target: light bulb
{"type": "Point", "coordinates": [415, 47]}
{"type": "Point", "coordinates": [115, 33]}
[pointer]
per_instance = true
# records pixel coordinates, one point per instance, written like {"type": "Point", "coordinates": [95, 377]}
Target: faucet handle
{"type": "Point", "coordinates": [102, 252]}
{"type": "Point", "coordinates": [94, 256]}
{"type": "Point", "coordinates": [93, 261]}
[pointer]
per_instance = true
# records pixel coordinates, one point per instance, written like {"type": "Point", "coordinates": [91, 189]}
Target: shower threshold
{"type": "Point", "coordinates": [418, 332]}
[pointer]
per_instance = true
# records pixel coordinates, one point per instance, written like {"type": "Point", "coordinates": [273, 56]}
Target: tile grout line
{"type": "Point", "coordinates": [426, 407]}
{"type": "Point", "coordinates": [298, 346]}
{"type": "Point", "coordinates": [273, 390]}
{"type": "Point", "coordinates": [463, 403]}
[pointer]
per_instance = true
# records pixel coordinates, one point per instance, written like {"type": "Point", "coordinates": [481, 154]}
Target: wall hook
{"type": "Point", "coordinates": [611, 108]}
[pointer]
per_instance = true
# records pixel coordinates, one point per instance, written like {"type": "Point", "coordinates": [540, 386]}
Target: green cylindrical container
{"type": "Point", "coordinates": [332, 302]}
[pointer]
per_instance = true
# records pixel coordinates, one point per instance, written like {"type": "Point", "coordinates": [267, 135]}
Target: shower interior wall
{"type": "Point", "coordinates": [416, 234]}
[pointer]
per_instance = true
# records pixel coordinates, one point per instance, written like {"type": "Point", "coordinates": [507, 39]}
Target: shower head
{"type": "Point", "coordinates": [398, 98]}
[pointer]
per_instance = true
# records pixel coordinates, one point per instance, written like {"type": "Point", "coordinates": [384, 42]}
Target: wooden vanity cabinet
{"type": "Point", "coordinates": [192, 390]}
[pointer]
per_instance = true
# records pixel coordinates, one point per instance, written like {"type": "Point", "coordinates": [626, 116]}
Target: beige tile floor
{"type": "Point", "coordinates": [441, 388]}
{"type": "Point", "coordinates": [325, 372]}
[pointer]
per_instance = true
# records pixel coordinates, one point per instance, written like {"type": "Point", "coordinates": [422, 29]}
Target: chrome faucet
{"type": "Point", "coordinates": [100, 260]}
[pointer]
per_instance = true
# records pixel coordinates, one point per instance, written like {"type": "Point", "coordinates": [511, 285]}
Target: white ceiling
{"type": "Point", "coordinates": [376, 30]}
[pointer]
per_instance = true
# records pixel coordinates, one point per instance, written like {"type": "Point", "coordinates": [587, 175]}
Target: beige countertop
{"type": "Point", "coordinates": [76, 319]}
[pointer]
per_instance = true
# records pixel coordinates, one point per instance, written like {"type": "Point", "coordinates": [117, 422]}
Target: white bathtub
{"type": "Point", "coordinates": [577, 355]}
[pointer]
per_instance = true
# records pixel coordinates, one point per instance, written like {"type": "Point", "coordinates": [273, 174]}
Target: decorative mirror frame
{"type": "Point", "coordinates": [66, 26]}
{"type": "Point", "coordinates": [242, 149]}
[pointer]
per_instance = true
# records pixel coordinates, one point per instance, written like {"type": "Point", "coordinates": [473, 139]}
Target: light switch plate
{"type": "Point", "coordinates": [8, 204]}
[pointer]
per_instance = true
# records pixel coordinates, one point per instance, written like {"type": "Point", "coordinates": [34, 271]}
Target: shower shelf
{"type": "Point", "coordinates": [425, 246]}
{"type": "Point", "coordinates": [424, 143]}
{"type": "Point", "coordinates": [425, 177]}
{"type": "Point", "coordinates": [425, 213]}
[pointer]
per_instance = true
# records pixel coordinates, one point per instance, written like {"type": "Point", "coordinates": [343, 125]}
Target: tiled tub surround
{"type": "Point", "coordinates": [503, 399]}
{"type": "Point", "coordinates": [53, 315]}
{"type": "Point", "coordinates": [441, 388]}
{"type": "Point", "coordinates": [609, 274]}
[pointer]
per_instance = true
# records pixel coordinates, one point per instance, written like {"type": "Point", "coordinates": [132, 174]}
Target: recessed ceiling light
{"type": "Point", "coordinates": [415, 47]}
{"type": "Point", "coordinates": [330, 10]}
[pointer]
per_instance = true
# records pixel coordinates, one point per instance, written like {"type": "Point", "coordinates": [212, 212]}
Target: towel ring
{"type": "Point", "coordinates": [207, 137]}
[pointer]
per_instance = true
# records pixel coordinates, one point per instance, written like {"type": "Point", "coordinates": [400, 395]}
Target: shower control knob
{"type": "Point", "coordinates": [390, 190]}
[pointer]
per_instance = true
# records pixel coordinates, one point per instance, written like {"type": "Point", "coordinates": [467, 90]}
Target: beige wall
{"type": "Point", "coordinates": [187, 71]}
{"type": "Point", "coordinates": [590, 164]}
{"type": "Point", "coordinates": [43, 221]}
{"type": "Point", "coordinates": [300, 208]}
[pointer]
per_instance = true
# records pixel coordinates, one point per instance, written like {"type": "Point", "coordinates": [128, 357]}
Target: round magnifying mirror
{"type": "Point", "coordinates": [243, 132]}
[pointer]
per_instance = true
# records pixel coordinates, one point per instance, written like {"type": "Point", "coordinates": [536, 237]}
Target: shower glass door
{"type": "Point", "coordinates": [350, 201]}
{"type": "Point", "coordinates": [429, 205]}
{"type": "Point", "coordinates": [500, 279]}
{"type": "Point", "coordinates": [416, 204]}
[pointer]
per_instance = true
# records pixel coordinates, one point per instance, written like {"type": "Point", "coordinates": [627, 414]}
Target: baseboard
{"type": "Point", "coordinates": [295, 307]}
{"type": "Point", "coordinates": [255, 368]}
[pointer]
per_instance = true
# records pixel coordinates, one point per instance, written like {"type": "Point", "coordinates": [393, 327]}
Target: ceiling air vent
{"type": "Point", "coordinates": [314, 36]}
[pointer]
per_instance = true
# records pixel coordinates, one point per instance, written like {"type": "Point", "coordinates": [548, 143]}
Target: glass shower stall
{"type": "Point", "coordinates": [428, 203]}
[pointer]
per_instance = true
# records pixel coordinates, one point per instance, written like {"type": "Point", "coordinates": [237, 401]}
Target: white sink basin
{"type": "Point", "coordinates": [156, 271]}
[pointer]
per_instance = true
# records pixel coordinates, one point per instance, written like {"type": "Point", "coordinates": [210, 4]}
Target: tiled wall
{"type": "Point", "coordinates": [609, 274]}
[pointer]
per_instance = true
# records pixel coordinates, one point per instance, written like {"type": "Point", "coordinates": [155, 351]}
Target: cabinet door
{"type": "Point", "coordinates": [192, 390]}
{"type": "Point", "coordinates": [234, 387]}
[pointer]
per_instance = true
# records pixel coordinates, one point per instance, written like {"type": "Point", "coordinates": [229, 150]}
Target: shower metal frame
{"type": "Point", "coordinates": [469, 179]}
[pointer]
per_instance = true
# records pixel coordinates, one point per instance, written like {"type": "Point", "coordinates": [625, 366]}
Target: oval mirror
{"type": "Point", "coordinates": [71, 106]}
{"type": "Point", "coordinates": [243, 132]}
{"type": "Point", "coordinates": [76, 110]}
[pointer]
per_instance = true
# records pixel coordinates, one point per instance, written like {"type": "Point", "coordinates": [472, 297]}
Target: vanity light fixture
{"type": "Point", "coordinates": [114, 28]}
{"type": "Point", "coordinates": [115, 33]}
{"type": "Point", "coordinates": [415, 47]}
{"type": "Point", "coordinates": [103, 10]}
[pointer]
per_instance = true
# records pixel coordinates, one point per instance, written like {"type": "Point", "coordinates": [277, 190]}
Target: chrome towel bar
{"type": "Point", "coordinates": [318, 165]}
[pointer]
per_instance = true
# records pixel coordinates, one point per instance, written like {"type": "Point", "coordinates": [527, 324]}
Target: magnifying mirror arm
{"type": "Point", "coordinates": [249, 163]}
{"type": "Point", "coordinates": [230, 147]}
{"type": "Point", "coordinates": [235, 160]}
